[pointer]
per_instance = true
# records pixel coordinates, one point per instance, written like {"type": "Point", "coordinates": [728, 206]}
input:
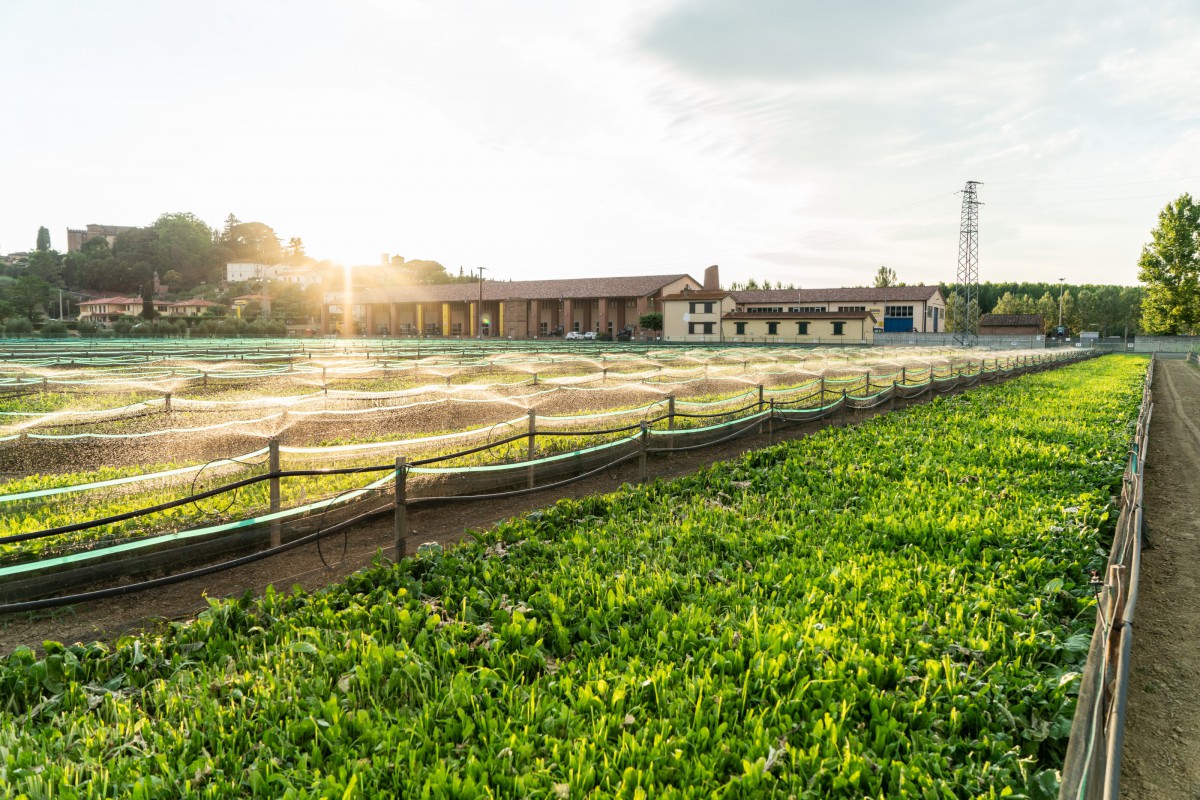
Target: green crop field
{"type": "Point", "coordinates": [896, 609]}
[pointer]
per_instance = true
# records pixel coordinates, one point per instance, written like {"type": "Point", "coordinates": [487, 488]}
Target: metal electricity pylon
{"type": "Point", "coordinates": [965, 318]}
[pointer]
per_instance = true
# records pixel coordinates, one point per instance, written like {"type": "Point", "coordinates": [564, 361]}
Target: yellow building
{"type": "Point", "coordinates": [802, 316]}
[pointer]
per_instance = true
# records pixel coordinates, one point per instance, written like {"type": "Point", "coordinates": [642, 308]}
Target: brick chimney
{"type": "Point", "coordinates": [712, 280]}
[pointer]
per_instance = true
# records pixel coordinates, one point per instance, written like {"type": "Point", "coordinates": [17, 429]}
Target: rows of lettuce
{"type": "Point", "coordinates": [894, 609]}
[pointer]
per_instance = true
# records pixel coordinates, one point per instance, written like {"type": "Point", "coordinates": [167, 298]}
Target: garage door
{"type": "Point", "coordinates": [897, 324]}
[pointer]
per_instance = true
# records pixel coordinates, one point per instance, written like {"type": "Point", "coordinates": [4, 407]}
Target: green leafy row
{"type": "Point", "coordinates": [895, 609]}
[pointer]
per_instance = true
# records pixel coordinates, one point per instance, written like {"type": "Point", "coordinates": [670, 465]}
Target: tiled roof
{"type": "Point", "coordinates": [1010, 320]}
{"type": "Point", "coordinates": [835, 315]}
{"type": "Point", "coordinates": [108, 301]}
{"type": "Point", "coordinates": [854, 294]}
{"type": "Point", "coordinates": [632, 286]}
{"type": "Point", "coordinates": [701, 294]}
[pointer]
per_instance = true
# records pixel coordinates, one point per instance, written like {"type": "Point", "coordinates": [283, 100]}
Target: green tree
{"type": "Point", "coordinates": [43, 239]}
{"type": "Point", "coordinates": [1169, 267]}
{"type": "Point", "coordinates": [884, 277]}
{"type": "Point", "coordinates": [255, 241]}
{"type": "Point", "coordinates": [29, 296]}
{"type": "Point", "coordinates": [148, 311]}
{"type": "Point", "coordinates": [47, 265]}
{"type": "Point", "coordinates": [184, 243]}
{"type": "Point", "coordinates": [293, 251]}
{"type": "Point", "coordinates": [1047, 306]}
{"type": "Point", "coordinates": [652, 321]}
{"type": "Point", "coordinates": [1014, 304]}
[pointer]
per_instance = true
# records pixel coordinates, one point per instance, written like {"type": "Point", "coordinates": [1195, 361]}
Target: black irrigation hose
{"type": "Point", "coordinates": [517, 492]}
{"type": "Point", "coordinates": [167, 580]}
{"type": "Point", "coordinates": [321, 531]}
{"type": "Point", "coordinates": [232, 500]}
{"type": "Point", "coordinates": [723, 439]}
{"type": "Point", "coordinates": [719, 413]}
{"type": "Point", "coordinates": [78, 526]}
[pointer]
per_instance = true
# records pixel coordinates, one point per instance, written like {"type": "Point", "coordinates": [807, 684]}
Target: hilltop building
{"type": "Point", "coordinates": [77, 236]}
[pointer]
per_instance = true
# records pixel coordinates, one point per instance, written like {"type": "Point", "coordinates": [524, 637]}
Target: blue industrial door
{"type": "Point", "coordinates": [897, 324]}
{"type": "Point", "coordinates": [935, 318]}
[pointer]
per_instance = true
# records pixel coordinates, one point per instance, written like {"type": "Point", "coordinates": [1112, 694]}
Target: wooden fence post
{"type": "Point", "coordinates": [643, 441]}
{"type": "Point", "coordinates": [760, 408]}
{"type": "Point", "coordinates": [273, 468]}
{"type": "Point", "coordinates": [167, 403]}
{"type": "Point", "coordinates": [400, 511]}
{"type": "Point", "coordinates": [532, 445]}
{"type": "Point", "coordinates": [771, 423]}
{"type": "Point", "coordinates": [671, 422]}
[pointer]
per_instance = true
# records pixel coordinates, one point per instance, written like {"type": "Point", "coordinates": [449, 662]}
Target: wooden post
{"type": "Point", "coordinates": [535, 379]}
{"type": "Point", "coordinates": [532, 446]}
{"type": "Point", "coordinates": [771, 423]}
{"type": "Point", "coordinates": [671, 422]}
{"type": "Point", "coordinates": [604, 375]}
{"type": "Point", "coordinates": [644, 441]}
{"type": "Point", "coordinates": [273, 468]}
{"type": "Point", "coordinates": [760, 408]}
{"type": "Point", "coordinates": [400, 509]}
{"type": "Point", "coordinates": [204, 381]}
{"type": "Point", "coordinates": [167, 403]}
{"type": "Point", "coordinates": [843, 408]}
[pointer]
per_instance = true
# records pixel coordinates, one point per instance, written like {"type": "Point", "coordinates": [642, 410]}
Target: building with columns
{"type": "Point", "coordinates": [508, 309]}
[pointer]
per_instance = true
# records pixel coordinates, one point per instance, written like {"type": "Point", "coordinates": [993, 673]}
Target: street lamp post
{"type": "Point", "coordinates": [1060, 306]}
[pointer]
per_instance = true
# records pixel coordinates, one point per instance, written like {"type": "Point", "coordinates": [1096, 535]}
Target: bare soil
{"type": "Point", "coordinates": [1161, 754]}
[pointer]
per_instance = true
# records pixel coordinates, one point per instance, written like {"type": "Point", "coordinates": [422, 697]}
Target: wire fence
{"type": "Point", "coordinates": [258, 511]}
{"type": "Point", "coordinates": [1092, 767]}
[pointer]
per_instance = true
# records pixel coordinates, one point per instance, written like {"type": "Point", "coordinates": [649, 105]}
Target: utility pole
{"type": "Point", "coordinates": [965, 334]}
{"type": "Point", "coordinates": [479, 313]}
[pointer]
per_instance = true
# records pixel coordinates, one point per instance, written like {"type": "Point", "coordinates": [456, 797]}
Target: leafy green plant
{"type": "Point", "coordinates": [869, 611]}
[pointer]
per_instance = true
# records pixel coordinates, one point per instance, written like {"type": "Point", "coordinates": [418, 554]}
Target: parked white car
{"type": "Point", "coordinates": [575, 335]}
{"type": "Point", "coordinates": [589, 334]}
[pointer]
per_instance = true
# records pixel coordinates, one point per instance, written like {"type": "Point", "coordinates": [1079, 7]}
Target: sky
{"type": "Point", "coordinates": [787, 140]}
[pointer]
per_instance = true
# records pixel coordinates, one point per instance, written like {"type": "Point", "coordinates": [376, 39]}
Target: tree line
{"type": "Point", "coordinates": [183, 256]}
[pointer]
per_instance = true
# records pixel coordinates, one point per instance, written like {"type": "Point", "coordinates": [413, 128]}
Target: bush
{"type": "Point", "coordinates": [88, 330]}
{"type": "Point", "coordinates": [122, 327]}
{"type": "Point", "coordinates": [18, 328]}
{"type": "Point", "coordinates": [54, 329]}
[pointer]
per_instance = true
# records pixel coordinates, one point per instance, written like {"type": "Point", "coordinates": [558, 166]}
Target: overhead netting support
{"type": "Point", "coordinates": [59, 533]}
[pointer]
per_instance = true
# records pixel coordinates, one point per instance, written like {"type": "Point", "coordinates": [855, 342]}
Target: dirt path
{"type": "Point", "coordinates": [1161, 756]}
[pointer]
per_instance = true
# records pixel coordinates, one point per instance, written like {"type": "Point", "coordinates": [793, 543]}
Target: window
{"type": "Point", "coordinates": [808, 310]}
{"type": "Point", "coordinates": [843, 309]}
{"type": "Point", "coordinates": [772, 329]}
{"type": "Point", "coordinates": [839, 329]}
{"type": "Point", "coordinates": [802, 329]}
{"type": "Point", "coordinates": [456, 329]}
{"type": "Point", "coordinates": [898, 311]}
{"type": "Point", "coordinates": [596, 303]}
{"type": "Point", "coordinates": [765, 310]}
{"type": "Point", "coordinates": [700, 308]}
{"type": "Point", "coordinates": [544, 328]}
{"type": "Point", "coordinates": [575, 325]}
{"type": "Point", "coordinates": [700, 327]}
{"type": "Point", "coordinates": [739, 328]}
